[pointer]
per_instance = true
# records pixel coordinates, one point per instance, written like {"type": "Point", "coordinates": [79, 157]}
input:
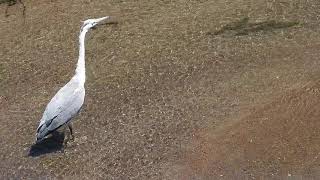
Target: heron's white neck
{"type": "Point", "coordinates": [81, 69]}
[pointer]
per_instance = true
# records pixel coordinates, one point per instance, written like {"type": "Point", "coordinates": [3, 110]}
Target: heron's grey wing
{"type": "Point", "coordinates": [62, 107]}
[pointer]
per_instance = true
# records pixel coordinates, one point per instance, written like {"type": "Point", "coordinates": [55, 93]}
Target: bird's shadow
{"type": "Point", "coordinates": [52, 144]}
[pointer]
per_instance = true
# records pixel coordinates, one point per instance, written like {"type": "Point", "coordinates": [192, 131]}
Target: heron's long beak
{"type": "Point", "coordinates": [102, 20]}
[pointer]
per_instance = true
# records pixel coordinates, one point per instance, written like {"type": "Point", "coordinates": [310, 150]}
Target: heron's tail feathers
{"type": "Point", "coordinates": [42, 132]}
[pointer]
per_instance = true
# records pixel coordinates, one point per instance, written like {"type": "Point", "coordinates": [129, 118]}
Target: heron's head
{"type": "Point", "coordinates": [90, 23]}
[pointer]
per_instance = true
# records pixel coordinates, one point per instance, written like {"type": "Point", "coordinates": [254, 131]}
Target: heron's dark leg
{"type": "Point", "coordinates": [71, 131]}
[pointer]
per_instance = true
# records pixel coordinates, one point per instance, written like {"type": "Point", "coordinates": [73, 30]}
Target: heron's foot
{"type": "Point", "coordinates": [72, 137]}
{"type": "Point", "coordinates": [69, 139]}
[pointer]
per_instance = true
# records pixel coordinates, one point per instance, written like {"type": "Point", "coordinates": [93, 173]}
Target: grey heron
{"type": "Point", "coordinates": [68, 101]}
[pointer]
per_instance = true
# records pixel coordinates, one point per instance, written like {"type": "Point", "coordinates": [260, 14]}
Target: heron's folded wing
{"type": "Point", "coordinates": [62, 106]}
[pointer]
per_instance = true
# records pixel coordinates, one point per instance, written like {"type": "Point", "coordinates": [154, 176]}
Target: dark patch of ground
{"type": "Point", "coordinates": [243, 27]}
